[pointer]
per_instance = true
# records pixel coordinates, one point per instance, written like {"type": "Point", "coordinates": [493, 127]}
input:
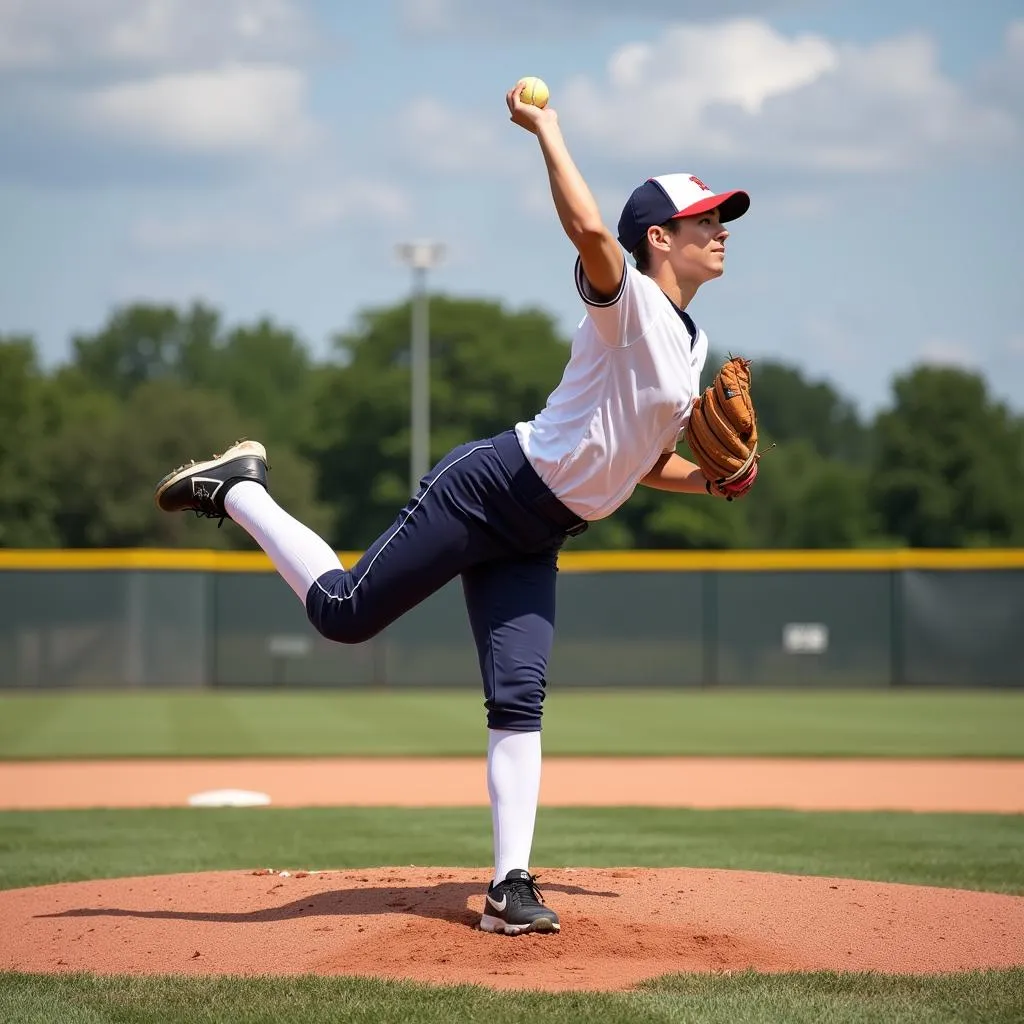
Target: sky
{"type": "Point", "coordinates": [268, 157]}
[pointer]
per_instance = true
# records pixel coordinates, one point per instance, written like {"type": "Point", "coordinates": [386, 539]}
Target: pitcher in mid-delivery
{"type": "Point", "coordinates": [496, 511]}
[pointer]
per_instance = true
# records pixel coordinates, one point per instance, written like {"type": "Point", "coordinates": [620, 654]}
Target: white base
{"type": "Point", "coordinates": [228, 798]}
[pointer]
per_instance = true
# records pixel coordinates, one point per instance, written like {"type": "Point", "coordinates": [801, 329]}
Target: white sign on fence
{"type": "Point", "coordinates": [289, 646]}
{"type": "Point", "coordinates": [805, 637]}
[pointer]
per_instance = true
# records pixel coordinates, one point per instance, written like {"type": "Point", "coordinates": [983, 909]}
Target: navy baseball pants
{"type": "Point", "coordinates": [484, 514]}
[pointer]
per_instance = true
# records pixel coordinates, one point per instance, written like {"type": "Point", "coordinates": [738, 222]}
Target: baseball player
{"type": "Point", "coordinates": [496, 511]}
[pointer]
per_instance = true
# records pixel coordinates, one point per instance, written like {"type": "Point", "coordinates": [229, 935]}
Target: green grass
{"type": "Point", "coordinates": [969, 851]}
{"type": "Point", "coordinates": [991, 997]}
{"type": "Point", "coordinates": [966, 851]}
{"type": "Point", "coordinates": [983, 723]}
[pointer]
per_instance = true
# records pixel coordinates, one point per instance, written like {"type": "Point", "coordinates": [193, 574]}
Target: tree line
{"type": "Point", "coordinates": [83, 444]}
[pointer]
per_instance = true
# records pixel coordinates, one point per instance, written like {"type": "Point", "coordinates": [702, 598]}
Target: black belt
{"type": "Point", "coordinates": [531, 488]}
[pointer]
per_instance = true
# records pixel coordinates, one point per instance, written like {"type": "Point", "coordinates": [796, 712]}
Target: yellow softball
{"type": "Point", "coordinates": [535, 91]}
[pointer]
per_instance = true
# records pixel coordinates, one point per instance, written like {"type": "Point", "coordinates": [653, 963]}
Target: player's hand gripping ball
{"type": "Point", "coordinates": [535, 92]}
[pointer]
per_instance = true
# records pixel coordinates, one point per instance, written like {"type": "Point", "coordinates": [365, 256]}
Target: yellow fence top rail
{"type": "Point", "coordinates": [66, 560]}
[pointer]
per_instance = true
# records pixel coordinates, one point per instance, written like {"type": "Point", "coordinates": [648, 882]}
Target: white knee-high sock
{"type": "Point", "coordinates": [513, 781]}
{"type": "Point", "coordinates": [298, 554]}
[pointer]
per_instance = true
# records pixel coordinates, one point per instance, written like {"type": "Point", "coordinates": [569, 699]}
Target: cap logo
{"type": "Point", "coordinates": [699, 183]}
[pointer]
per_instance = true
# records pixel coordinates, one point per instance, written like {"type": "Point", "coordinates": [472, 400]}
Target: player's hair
{"type": "Point", "coordinates": [642, 253]}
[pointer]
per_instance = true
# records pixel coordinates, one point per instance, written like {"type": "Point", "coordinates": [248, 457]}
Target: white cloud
{"type": "Point", "coordinates": [169, 234]}
{"type": "Point", "coordinates": [428, 17]}
{"type": "Point", "coordinates": [268, 216]}
{"type": "Point", "coordinates": [741, 90]}
{"type": "Point", "coordinates": [1001, 82]}
{"type": "Point", "coordinates": [442, 138]}
{"type": "Point", "coordinates": [1007, 69]}
{"type": "Point", "coordinates": [542, 17]}
{"type": "Point", "coordinates": [808, 205]}
{"type": "Point", "coordinates": [22, 45]}
{"type": "Point", "coordinates": [70, 35]}
{"type": "Point", "coordinates": [327, 207]}
{"type": "Point", "coordinates": [124, 90]}
{"type": "Point", "coordinates": [239, 108]}
{"type": "Point", "coordinates": [743, 63]}
{"type": "Point", "coordinates": [888, 106]}
{"type": "Point", "coordinates": [943, 352]}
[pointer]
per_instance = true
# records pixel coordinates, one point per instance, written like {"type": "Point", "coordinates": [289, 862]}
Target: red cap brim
{"type": "Point", "coordinates": [729, 204]}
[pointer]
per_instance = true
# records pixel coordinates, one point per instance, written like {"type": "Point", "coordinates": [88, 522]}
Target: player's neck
{"type": "Point", "coordinates": [680, 292]}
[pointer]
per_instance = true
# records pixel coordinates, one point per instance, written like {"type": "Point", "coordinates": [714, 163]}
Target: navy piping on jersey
{"type": "Point", "coordinates": [688, 323]}
{"type": "Point", "coordinates": [583, 287]}
{"type": "Point", "coordinates": [491, 520]}
{"type": "Point", "coordinates": [416, 502]}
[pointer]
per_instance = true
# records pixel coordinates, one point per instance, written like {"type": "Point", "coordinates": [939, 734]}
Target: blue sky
{"type": "Point", "coordinates": [266, 156]}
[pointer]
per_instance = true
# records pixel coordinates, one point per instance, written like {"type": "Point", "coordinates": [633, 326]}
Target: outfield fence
{"type": "Point", "coordinates": [144, 618]}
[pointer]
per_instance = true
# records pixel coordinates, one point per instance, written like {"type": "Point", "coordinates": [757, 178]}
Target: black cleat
{"type": "Point", "coordinates": [515, 906]}
{"type": "Point", "coordinates": [200, 487]}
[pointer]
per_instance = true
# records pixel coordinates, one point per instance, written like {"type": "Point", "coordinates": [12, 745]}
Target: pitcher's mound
{"type": "Point", "coordinates": [620, 926]}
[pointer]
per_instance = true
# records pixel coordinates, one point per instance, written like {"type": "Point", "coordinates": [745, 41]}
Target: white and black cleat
{"type": "Point", "coordinates": [515, 906]}
{"type": "Point", "coordinates": [200, 487]}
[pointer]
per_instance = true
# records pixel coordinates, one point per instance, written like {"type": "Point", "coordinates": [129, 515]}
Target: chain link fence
{"type": "Point", "coordinates": [815, 628]}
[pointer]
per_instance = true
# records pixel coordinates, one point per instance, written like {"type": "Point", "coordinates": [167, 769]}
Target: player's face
{"type": "Point", "coordinates": [698, 249]}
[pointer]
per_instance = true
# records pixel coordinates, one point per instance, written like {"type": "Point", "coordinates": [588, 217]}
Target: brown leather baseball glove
{"type": "Point", "coordinates": [722, 431]}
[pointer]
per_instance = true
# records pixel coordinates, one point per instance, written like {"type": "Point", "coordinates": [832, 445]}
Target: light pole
{"type": "Point", "coordinates": [421, 256]}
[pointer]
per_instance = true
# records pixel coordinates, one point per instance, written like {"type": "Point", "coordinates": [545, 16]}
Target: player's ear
{"type": "Point", "coordinates": [657, 237]}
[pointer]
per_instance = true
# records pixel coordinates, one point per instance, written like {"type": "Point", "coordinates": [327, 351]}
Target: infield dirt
{"type": "Point", "coordinates": [809, 784]}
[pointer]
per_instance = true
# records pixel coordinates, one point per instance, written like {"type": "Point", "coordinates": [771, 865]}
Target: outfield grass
{"type": "Point", "coordinates": [316, 723]}
{"type": "Point", "coordinates": [991, 997]}
{"type": "Point", "coordinates": [968, 851]}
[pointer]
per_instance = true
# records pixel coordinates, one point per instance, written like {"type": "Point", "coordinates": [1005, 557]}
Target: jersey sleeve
{"type": "Point", "coordinates": [622, 318]}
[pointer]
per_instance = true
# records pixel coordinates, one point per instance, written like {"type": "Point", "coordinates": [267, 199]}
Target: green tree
{"type": "Point", "coordinates": [26, 503]}
{"type": "Point", "coordinates": [265, 370]}
{"type": "Point", "coordinates": [949, 463]}
{"type": "Point", "coordinates": [790, 407]}
{"type": "Point", "coordinates": [489, 368]}
{"type": "Point", "coordinates": [107, 455]}
{"type": "Point", "coordinates": [268, 374]}
{"type": "Point", "coordinates": [82, 448]}
{"type": "Point", "coordinates": [812, 485]}
{"type": "Point", "coordinates": [686, 521]}
{"type": "Point", "coordinates": [143, 342]}
{"type": "Point", "coordinates": [804, 500]}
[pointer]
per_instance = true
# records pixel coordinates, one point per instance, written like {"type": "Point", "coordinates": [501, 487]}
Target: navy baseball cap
{"type": "Point", "coordinates": [669, 196]}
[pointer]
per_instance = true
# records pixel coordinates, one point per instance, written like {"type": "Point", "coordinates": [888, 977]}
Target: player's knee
{"type": "Point", "coordinates": [336, 616]}
{"type": "Point", "coordinates": [513, 719]}
{"type": "Point", "coordinates": [517, 706]}
{"type": "Point", "coordinates": [345, 629]}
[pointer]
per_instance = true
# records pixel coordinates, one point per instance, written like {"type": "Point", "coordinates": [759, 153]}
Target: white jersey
{"type": "Point", "coordinates": [623, 400]}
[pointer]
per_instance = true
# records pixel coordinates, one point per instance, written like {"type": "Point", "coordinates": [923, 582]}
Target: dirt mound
{"type": "Point", "coordinates": [620, 926]}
